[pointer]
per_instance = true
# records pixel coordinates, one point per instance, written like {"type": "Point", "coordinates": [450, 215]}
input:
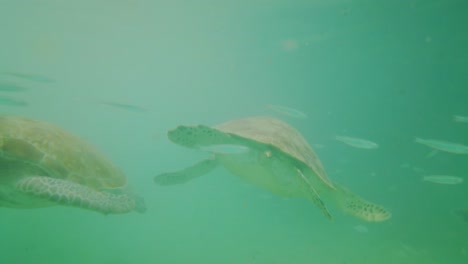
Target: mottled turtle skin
{"type": "Point", "coordinates": [43, 165]}
{"type": "Point", "coordinates": [279, 160]}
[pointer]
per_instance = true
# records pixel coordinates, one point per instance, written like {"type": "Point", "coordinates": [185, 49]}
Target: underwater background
{"type": "Point", "coordinates": [121, 73]}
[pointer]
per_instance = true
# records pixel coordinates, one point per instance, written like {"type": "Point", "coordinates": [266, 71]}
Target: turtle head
{"type": "Point", "coordinates": [194, 136]}
{"type": "Point", "coordinates": [182, 135]}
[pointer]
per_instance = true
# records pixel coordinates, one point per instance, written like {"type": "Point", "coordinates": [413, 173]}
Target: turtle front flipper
{"type": "Point", "coordinates": [73, 194]}
{"type": "Point", "coordinates": [182, 176]}
{"type": "Point", "coordinates": [357, 206]}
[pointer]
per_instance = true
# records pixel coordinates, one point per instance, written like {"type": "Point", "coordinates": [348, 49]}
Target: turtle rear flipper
{"type": "Point", "coordinates": [187, 174]}
{"type": "Point", "coordinates": [357, 206]}
{"type": "Point", "coordinates": [320, 204]}
{"type": "Point", "coordinates": [314, 197]}
{"type": "Point", "coordinates": [74, 194]}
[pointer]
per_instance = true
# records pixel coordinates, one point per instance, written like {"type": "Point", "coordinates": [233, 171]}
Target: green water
{"type": "Point", "coordinates": [121, 73]}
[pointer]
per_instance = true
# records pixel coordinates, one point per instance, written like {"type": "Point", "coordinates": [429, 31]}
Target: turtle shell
{"type": "Point", "coordinates": [274, 132]}
{"type": "Point", "coordinates": [31, 147]}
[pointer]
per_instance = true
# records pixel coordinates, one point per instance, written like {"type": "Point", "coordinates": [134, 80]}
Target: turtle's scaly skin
{"type": "Point", "coordinates": [44, 165]}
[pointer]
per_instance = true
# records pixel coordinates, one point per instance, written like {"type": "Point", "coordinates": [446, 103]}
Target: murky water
{"type": "Point", "coordinates": [120, 74]}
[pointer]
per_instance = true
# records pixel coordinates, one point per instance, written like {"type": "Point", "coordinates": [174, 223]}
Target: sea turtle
{"type": "Point", "coordinates": [269, 153]}
{"type": "Point", "coordinates": [42, 165]}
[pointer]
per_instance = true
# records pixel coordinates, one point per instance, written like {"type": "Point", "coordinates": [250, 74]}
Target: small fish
{"type": "Point", "coordinates": [30, 77]}
{"type": "Point", "coordinates": [463, 213]}
{"type": "Point", "coordinates": [418, 169]}
{"type": "Point", "coordinates": [405, 165]}
{"type": "Point", "coordinates": [318, 146]}
{"type": "Point", "coordinates": [11, 87]}
{"type": "Point", "coordinates": [287, 111]}
{"type": "Point", "coordinates": [12, 101]}
{"type": "Point", "coordinates": [443, 179]}
{"type": "Point", "coordinates": [357, 142]}
{"type": "Point", "coordinates": [128, 107]}
{"type": "Point", "coordinates": [361, 228]}
{"type": "Point", "coordinates": [460, 118]}
{"type": "Point", "coordinates": [432, 153]}
{"type": "Point", "coordinates": [226, 149]}
{"type": "Point", "coordinates": [450, 147]}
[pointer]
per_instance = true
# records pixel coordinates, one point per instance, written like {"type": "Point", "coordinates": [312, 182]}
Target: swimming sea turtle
{"type": "Point", "coordinates": [42, 165]}
{"type": "Point", "coordinates": [271, 154]}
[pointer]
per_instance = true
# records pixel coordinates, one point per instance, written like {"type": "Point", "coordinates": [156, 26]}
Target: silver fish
{"type": "Point", "coordinates": [443, 179]}
{"type": "Point", "coordinates": [124, 106]}
{"type": "Point", "coordinates": [444, 145]}
{"type": "Point", "coordinates": [284, 110]}
{"type": "Point", "coordinates": [361, 228]}
{"type": "Point", "coordinates": [10, 101]}
{"type": "Point", "coordinates": [460, 118]}
{"type": "Point", "coordinates": [11, 87]}
{"type": "Point", "coordinates": [357, 142]}
{"type": "Point", "coordinates": [432, 153]}
{"type": "Point", "coordinates": [30, 77]}
{"type": "Point", "coordinates": [463, 213]}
